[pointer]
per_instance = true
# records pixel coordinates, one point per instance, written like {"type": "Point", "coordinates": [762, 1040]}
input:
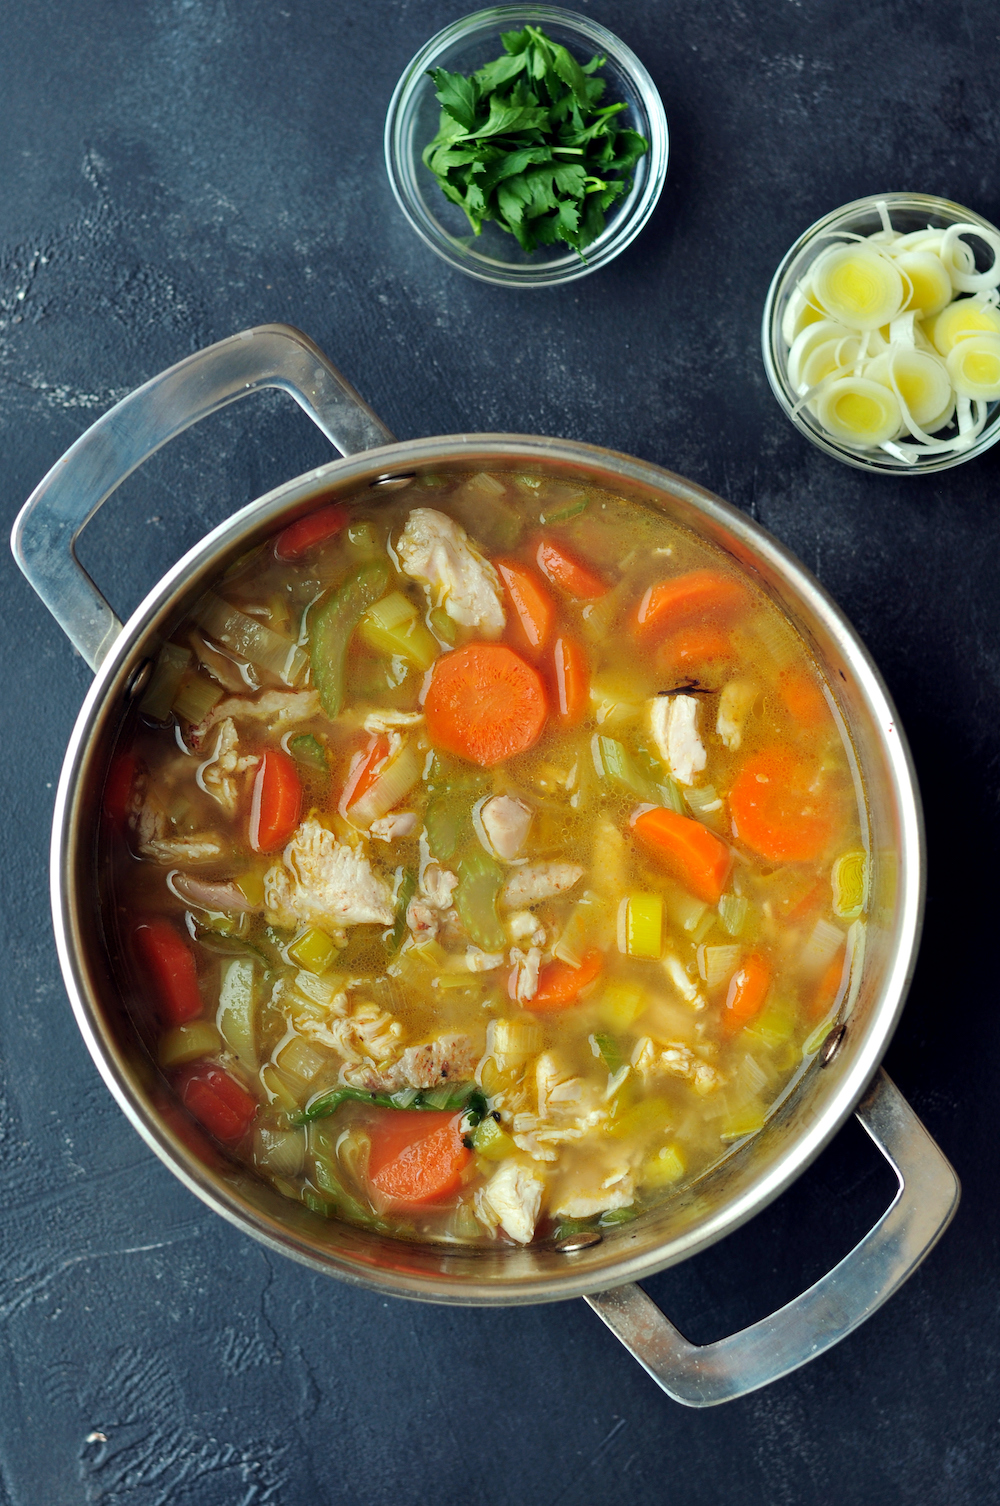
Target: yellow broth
{"type": "Point", "coordinates": [693, 1015]}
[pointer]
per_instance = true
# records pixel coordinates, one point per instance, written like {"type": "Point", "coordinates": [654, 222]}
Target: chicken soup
{"type": "Point", "coordinates": [485, 861]}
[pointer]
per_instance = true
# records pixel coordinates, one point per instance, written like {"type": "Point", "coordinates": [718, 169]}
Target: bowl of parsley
{"type": "Point", "coordinates": [526, 145]}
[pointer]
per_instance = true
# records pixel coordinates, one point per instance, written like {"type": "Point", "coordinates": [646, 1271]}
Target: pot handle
{"type": "Point", "coordinates": [703, 1375]}
{"type": "Point", "coordinates": [271, 355]}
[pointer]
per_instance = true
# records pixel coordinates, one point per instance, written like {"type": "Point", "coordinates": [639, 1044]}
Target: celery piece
{"type": "Point", "coordinates": [716, 964]}
{"type": "Point", "coordinates": [607, 1048]}
{"type": "Point", "coordinates": [774, 1025]}
{"type": "Point", "coordinates": [570, 1226]}
{"type": "Point", "coordinates": [313, 950]}
{"type": "Point", "coordinates": [166, 677]}
{"type": "Point", "coordinates": [278, 1089]}
{"type": "Point", "coordinates": [249, 639]}
{"type": "Point", "coordinates": [186, 1043]}
{"type": "Point", "coordinates": [479, 883]}
{"type": "Point", "coordinates": [235, 1017]}
{"type": "Point", "coordinates": [641, 926]}
{"type": "Point", "coordinates": [733, 913]}
{"type": "Point", "coordinates": [310, 752]}
{"type": "Point", "coordinates": [561, 511]}
{"type": "Point", "coordinates": [649, 1116]}
{"type": "Point", "coordinates": [613, 762]}
{"type": "Point", "coordinates": [443, 625]}
{"type": "Point", "coordinates": [514, 1040]}
{"type": "Point", "coordinates": [446, 820]}
{"type": "Point", "coordinates": [745, 1121]}
{"type": "Point", "coordinates": [406, 888]}
{"type": "Point", "coordinates": [361, 541]}
{"type": "Point", "coordinates": [665, 1167]}
{"type": "Point", "coordinates": [849, 881]}
{"type": "Point", "coordinates": [392, 626]}
{"type": "Point", "coordinates": [331, 627]}
{"type": "Point", "coordinates": [196, 697]}
{"type": "Point", "coordinates": [621, 1005]}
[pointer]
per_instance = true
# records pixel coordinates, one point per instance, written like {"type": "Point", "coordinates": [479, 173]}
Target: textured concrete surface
{"type": "Point", "coordinates": [172, 171]}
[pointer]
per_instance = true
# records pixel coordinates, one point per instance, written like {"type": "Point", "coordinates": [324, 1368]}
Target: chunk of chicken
{"type": "Point", "coordinates": [151, 825]}
{"type": "Point", "coordinates": [450, 1057]}
{"type": "Point", "coordinates": [432, 901]}
{"type": "Point", "coordinates": [390, 828]}
{"type": "Point", "coordinates": [538, 881]}
{"type": "Point", "coordinates": [677, 1060]}
{"type": "Point", "coordinates": [514, 1196]}
{"type": "Point", "coordinates": [735, 705]}
{"type": "Point", "coordinates": [390, 721]}
{"type": "Point", "coordinates": [527, 964]}
{"type": "Point", "coordinates": [523, 925]}
{"type": "Point", "coordinates": [506, 823]}
{"type": "Point", "coordinates": [217, 776]}
{"type": "Point", "coordinates": [276, 708]}
{"type": "Point", "coordinates": [569, 1107]}
{"type": "Point", "coordinates": [319, 880]}
{"type": "Point", "coordinates": [673, 721]}
{"type": "Point", "coordinates": [436, 551]}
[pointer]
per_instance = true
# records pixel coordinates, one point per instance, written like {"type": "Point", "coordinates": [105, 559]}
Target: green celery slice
{"type": "Point", "coordinates": [333, 624]}
{"type": "Point", "coordinates": [479, 882]}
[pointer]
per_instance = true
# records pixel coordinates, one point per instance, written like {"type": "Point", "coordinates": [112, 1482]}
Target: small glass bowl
{"type": "Point", "coordinates": [494, 255]}
{"type": "Point", "coordinates": [907, 212]}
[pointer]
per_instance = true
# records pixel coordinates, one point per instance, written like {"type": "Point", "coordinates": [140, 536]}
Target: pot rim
{"type": "Point", "coordinates": [589, 1271]}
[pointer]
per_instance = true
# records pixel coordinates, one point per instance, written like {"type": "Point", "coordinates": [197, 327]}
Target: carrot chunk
{"type": "Point", "coordinates": [560, 985]}
{"type": "Point", "coordinates": [416, 1156]}
{"type": "Point", "coordinates": [687, 599]}
{"type": "Point", "coordinates": [218, 1102]}
{"type": "Point", "coordinates": [568, 572]}
{"type": "Point", "coordinates": [485, 703]}
{"type": "Point", "coordinates": [693, 648]}
{"type": "Point", "coordinates": [309, 532]}
{"type": "Point", "coordinates": [778, 809]}
{"type": "Point", "coordinates": [572, 681]}
{"type": "Point", "coordinates": [748, 989]}
{"type": "Point", "coordinates": [277, 801]}
{"type": "Point", "coordinates": [692, 853]}
{"type": "Point", "coordinates": [169, 963]}
{"type": "Point", "coordinates": [534, 609]}
{"type": "Point", "coordinates": [803, 699]}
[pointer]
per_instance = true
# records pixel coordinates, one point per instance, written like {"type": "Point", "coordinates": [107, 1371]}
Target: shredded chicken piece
{"type": "Point", "coordinates": [677, 1060]}
{"type": "Point", "coordinates": [506, 823]}
{"type": "Point", "coordinates": [735, 705]}
{"type": "Point", "coordinates": [431, 905]}
{"type": "Point", "coordinates": [684, 985]}
{"type": "Point", "coordinates": [450, 1057]}
{"type": "Point", "coordinates": [365, 1036]}
{"type": "Point", "coordinates": [569, 1107]}
{"type": "Point", "coordinates": [527, 964]}
{"type": "Point", "coordinates": [513, 1196]}
{"type": "Point", "coordinates": [478, 961]}
{"type": "Point", "coordinates": [436, 551]}
{"type": "Point", "coordinates": [277, 708]}
{"type": "Point", "coordinates": [673, 721]}
{"type": "Point", "coordinates": [582, 1195]}
{"type": "Point", "coordinates": [151, 825]}
{"type": "Point", "coordinates": [523, 926]}
{"type": "Point", "coordinates": [322, 881]}
{"type": "Point", "coordinates": [390, 828]}
{"type": "Point", "coordinates": [389, 721]}
{"type": "Point", "coordinates": [538, 881]}
{"type": "Point", "coordinates": [217, 776]}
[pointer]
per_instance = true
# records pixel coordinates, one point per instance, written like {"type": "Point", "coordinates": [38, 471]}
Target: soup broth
{"type": "Point", "coordinates": [486, 861]}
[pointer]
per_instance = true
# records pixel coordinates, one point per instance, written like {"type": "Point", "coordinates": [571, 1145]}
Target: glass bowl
{"type": "Point", "coordinates": [494, 255]}
{"type": "Point", "coordinates": [907, 213]}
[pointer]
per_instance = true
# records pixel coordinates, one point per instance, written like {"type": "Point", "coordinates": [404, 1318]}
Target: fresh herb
{"type": "Point", "coordinates": [524, 142]}
{"type": "Point", "coordinates": [449, 1096]}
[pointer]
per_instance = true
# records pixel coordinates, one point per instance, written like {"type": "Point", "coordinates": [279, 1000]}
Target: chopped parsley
{"type": "Point", "coordinates": [525, 142]}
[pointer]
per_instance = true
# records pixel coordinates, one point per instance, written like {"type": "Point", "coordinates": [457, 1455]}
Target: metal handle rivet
{"type": "Point", "coordinates": [831, 1046]}
{"type": "Point", "coordinates": [138, 679]}
{"type": "Point", "coordinates": [391, 483]}
{"type": "Point", "coordinates": [582, 1241]}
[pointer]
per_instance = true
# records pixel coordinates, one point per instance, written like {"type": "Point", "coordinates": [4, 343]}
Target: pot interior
{"type": "Point", "coordinates": [753, 1172]}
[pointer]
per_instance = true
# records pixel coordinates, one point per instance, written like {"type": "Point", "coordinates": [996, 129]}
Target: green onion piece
{"type": "Point", "coordinates": [849, 881]}
{"type": "Point", "coordinates": [562, 514]}
{"type": "Point", "coordinates": [443, 625]}
{"type": "Point", "coordinates": [571, 1226]}
{"type": "Point", "coordinates": [196, 698]}
{"type": "Point", "coordinates": [166, 677]}
{"type": "Point", "coordinates": [332, 625]}
{"type": "Point", "coordinates": [308, 750]}
{"type": "Point", "coordinates": [405, 890]}
{"type": "Point", "coordinates": [613, 1216]}
{"type": "Point", "coordinates": [609, 1051]}
{"type": "Point", "coordinates": [480, 879]}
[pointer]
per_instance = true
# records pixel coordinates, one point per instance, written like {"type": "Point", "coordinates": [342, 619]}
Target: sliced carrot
{"type": "Point", "coordinates": [692, 648]}
{"type": "Point", "coordinates": [687, 599]}
{"type": "Point", "coordinates": [694, 855]}
{"type": "Point", "coordinates": [803, 699]}
{"type": "Point", "coordinates": [309, 532]}
{"type": "Point", "coordinates": [416, 1156]}
{"type": "Point", "coordinates": [218, 1102]}
{"type": "Point", "coordinates": [572, 681]}
{"type": "Point", "coordinates": [534, 609]}
{"type": "Point", "coordinates": [168, 962]}
{"type": "Point", "coordinates": [777, 810]}
{"type": "Point", "coordinates": [832, 983]}
{"type": "Point", "coordinates": [748, 989]}
{"type": "Point", "coordinates": [560, 985]}
{"type": "Point", "coordinates": [364, 771]}
{"type": "Point", "coordinates": [568, 572]}
{"type": "Point", "coordinates": [485, 703]}
{"type": "Point", "coordinates": [277, 801]}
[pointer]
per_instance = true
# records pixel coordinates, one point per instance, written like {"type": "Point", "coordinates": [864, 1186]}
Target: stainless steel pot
{"type": "Point", "coordinates": [844, 1078]}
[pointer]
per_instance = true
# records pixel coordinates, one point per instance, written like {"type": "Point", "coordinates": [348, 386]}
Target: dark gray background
{"type": "Point", "coordinates": [172, 171]}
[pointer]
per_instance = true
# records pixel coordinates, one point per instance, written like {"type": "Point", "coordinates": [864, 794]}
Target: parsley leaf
{"type": "Point", "coordinates": [526, 143]}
